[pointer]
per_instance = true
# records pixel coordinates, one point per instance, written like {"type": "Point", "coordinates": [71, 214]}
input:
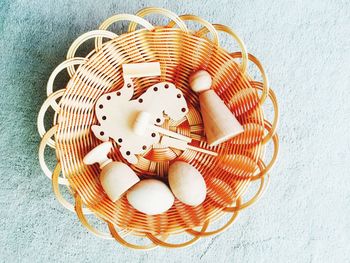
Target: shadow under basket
{"type": "Point", "coordinates": [180, 51]}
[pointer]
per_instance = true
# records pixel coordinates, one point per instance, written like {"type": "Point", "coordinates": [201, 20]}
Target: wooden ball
{"type": "Point", "coordinates": [200, 81]}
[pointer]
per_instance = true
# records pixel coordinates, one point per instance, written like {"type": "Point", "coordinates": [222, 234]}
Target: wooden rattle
{"type": "Point", "coordinates": [142, 125]}
{"type": "Point", "coordinates": [178, 141]}
{"type": "Point", "coordinates": [116, 177]}
{"type": "Point", "coordinates": [220, 124]}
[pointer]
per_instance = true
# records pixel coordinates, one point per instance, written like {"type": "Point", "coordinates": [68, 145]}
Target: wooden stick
{"type": "Point", "coordinates": [182, 145]}
{"type": "Point", "coordinates": [170, 133]}
{"type": "Point", "coordinates": [141, 70]}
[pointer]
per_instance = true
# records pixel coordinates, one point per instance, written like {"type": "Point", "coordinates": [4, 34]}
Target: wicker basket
{"type": "Point", "coordinates": [180, 51]}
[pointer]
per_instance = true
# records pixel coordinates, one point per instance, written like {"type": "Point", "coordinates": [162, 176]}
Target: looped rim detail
{"type": "Point", "coordinates": [205, 23]}
{"type": "Point", "coordinates": [81, 39]}
{"type": "Point", "coordinates": [58, 69]}
{"type": "Point", "coordinates": [159, 11]}
{"type": "Point", "coordinates": [56, 190]}
{"type": "Point", "coordinates": [40, 121]}
{"type": "Point", "coordinates": [120, 17]}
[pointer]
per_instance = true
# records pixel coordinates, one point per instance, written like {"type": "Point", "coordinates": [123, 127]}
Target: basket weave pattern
{"type": "Point", "coordinates": [240, 161]}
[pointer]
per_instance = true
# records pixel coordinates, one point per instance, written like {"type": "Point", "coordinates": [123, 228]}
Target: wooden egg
{"type": "Point", "coordinates": [187, 183]}
{"type": "Point", "coordinates": [151, 197]}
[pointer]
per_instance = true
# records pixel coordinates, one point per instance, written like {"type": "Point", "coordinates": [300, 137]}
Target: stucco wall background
{"type": "Point", "coordinates": [304, 215]}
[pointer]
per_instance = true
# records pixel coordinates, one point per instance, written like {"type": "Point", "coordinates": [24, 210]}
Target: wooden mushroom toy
{"type": "Point", "coordinates": [220, 124]}
{"type": "Point", "coordinates": [187, 183]}
{"type": "Point", "coordinates": [116, 177]}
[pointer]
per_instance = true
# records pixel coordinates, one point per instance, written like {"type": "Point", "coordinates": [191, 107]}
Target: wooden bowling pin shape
{"type": "Point", "coordinates": [116, 177]}
{"type": "Point", "coordinates": [220, 124]}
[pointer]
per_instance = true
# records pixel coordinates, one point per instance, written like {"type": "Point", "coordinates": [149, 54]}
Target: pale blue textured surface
{"type": "Point", "coordinates": [305, 214]}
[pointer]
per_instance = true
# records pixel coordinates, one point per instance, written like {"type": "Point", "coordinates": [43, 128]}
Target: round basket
{"type": "Point", "coordinates": [240, 161]}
